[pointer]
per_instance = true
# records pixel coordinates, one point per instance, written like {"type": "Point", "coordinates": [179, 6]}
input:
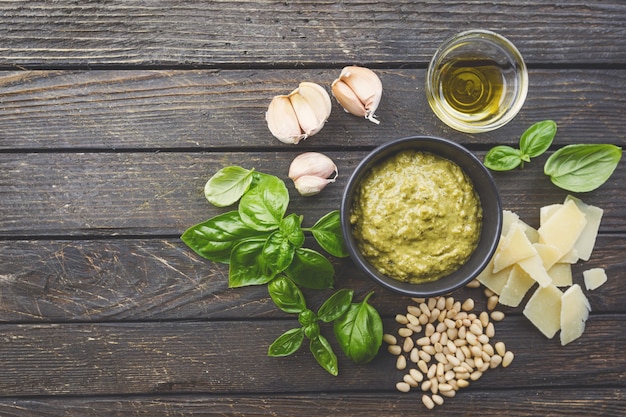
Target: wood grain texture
{"type": "Point", "coordinates": [231, 358]}
{"type": "Point", "coordinates": [161, 193]}
{"type": "Point", "coordinates": [279, 33]}
{"type": "Point", "coordinates": [201, 109]}
{"type": "Point", "coordinates": [158, 279]}
{"type": "Point", "coordinates": [592, 402]}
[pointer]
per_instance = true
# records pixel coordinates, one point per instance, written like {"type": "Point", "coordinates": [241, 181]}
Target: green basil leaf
{"type": "Point", "coordinates": [310, 269]}
{"type": "Point", "coordinates": [327, 233]}
{"type": "Point", "coordinates": [360, 332]}
{"type": "Point", "coordinates": [537, 138]}
{"type": "Point", "coordinates": [286, 295]}
{"type": "Point", "coordinates": [247, 266]}
{"type": "Point", "coordinates": [278, 252]}
{"type": "Point", "coordinates": [582, 167]}
{"type": "Point", "coordinates": [307, 317]}
{"type": "Point", "coordinates": [324, 355]}
{"type": "Point", "coordinates": [287, 343]}
{"type": "Point", "coordinates": [290, 227]}
{"type": "Point", "coordinates": [214, 239]}
{"type": "Point", "coordinates": [502, 158]}
{"type": "Point", "coordinates": [263, 206]}
{"type": "Point", "coordinates": [228, 185]}
{"type": "Point", "coordinates": [335, 306]}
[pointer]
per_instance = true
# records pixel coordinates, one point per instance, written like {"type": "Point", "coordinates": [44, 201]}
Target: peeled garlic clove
{"type": "Point", "coordinates": [311, 104]}
{"type": "Point", "coordinates": [282, 120]}
{"type": "Point", "coordinates": [365, 86]}
{"type": "Point", "coordinates": [312, 163]}
{"type": "Point", "coordinates": [309, 185]}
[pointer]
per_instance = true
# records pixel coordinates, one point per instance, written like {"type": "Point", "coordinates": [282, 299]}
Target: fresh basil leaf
{"type": "Point", "coordinates": [310, 269]}
{"type": "Point", "coordinates": [360, 331]}
{"type": "Point", "coordinates": [582, 167]}
{"type": "Point", "coordinates": [503, 158]}
{"type": "Point", "coordinates": [290, 226]}
{"type": "Point", "coordinates": [286, 295]}
{"type": "Point", "coordinates": [278, 252]}
{"type": "Point", "coordinates": [312, 330]}
{"type": "Point", "coordinates": [263, 206]}
{"type": "Point", "coordinates": [228, 185]}
{"type": "Point", "coordinates": [537, 138]}
{"type": "Point", "coordinates": [214, 239]}
{"type": "Point", "coordinates": [335, 306]}
{"type": "Point", "coordinates": [247, 266]}
{"type": "Point", "coordinates": [287, 343]}
{"type": "Point", "coordinates": [324, 355]}
{"type": "Point", "coordinates": [327, 233]}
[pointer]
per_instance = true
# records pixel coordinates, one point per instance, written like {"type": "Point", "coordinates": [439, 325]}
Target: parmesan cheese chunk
{"type": "Point", "coordinates": [575, 310]}
{"type": "Point", "coordinates": [514, 247]}
{"type": "Point", "coordinates": [546, 212]}
{"type": "Point", "coordinates": [561, 274]}
{"type": "Point", "coordinates": [535, 269]}
{"type": "Point", "coordinates": [544, 310]}
{"type": "Point", "coordinates": [594, 278]}
{"type": "Point", "coordinates": [587, 240]}
{"type": "Point", "coordinates": [549, 254]}
{"type": "Point", "coordinates": [516, 287]}
{"type": "Point", "coordinates": [494, 282]}
{"type": "Point", "coordinates": [563, 227]}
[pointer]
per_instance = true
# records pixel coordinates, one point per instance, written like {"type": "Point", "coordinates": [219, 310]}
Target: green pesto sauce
{"type": "Point", "coordinates": [416, 217]}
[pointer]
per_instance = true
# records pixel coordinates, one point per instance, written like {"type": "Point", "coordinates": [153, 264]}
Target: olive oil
{"type": "Point", "coordinates": [473, 87]}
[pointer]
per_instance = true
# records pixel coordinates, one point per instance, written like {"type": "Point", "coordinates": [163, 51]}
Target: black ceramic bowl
{"type": "Point", "coordinates": [483, 184]}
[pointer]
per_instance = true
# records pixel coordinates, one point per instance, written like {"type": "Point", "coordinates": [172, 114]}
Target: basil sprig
{"type": "Point", "coordinates": [264, 245]}
{"type": "Point", "coordinates": [533, 142]}
{"type": "Point", "coordinates": [576, 168]}
{"type": "Point", "coordinates": [582, 167]}
{"type": "Point", "coordinates": [357, 326]}
{"type": "Point", "coordinates": [259, 240]}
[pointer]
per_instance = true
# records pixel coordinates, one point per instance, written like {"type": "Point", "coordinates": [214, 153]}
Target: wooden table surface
{"type": "Point", "coordinates": [114, 114]}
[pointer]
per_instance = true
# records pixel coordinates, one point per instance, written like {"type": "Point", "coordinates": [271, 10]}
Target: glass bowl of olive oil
{"type": "Point", "coordinates": [477, 81]}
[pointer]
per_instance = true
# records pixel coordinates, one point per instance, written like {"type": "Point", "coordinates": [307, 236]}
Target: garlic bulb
{"type": "Point", "coordinates": [299, 114]}
{"type": "Point", "coordinates": [358, 90]}
{"type": "Point", "coordinates": [311, 172]}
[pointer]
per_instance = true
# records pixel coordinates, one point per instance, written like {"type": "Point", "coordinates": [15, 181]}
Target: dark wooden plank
{"type": "Point", "coordinates": [225, 109]}
{"type": "Point", "coordinates": [592, 402]}
{"type": "Point", "coordinates": [172, 33]}
{"type": "Point", "coordinates": [152, 193]}
{"type": "Point", "coordinates": [160, 279]}
{"type": "Point", "coordinates": [230, 358]}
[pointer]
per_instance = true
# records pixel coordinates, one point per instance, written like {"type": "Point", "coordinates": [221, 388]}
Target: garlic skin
{"type": "Point", "coordinates": [358, 90]}
{"type": "Point", "coordinates": [302, 113]}
{"type": "Point", "coordinates": [311, 172]}
{"type": "Point", "coordinates": [312, 163]}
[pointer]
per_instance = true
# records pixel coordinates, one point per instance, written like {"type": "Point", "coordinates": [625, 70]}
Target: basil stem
{"type": "Point", "coordinates": [582, 167]}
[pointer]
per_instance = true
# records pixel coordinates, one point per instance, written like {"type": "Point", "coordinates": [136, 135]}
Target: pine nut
{"type": "Point", "coordinates": [412, 319]}
{"type": "Point", "coordinates": [400, 362]}
{"type": "Point", "coordinates": [408, 344]}
{"type": "Point", "coordinates": [413, 310]}
{"type": "Point", "coordinates": [462, 383]}
{"type": "Point", "coordinates": [423, 366]}
{"type": "Point", "coordinates": [500, 348]}
{"type": "Point", "coordinates": [488, 349]}
{"type": "Point", "coordinates": [431, 302]}
{"type": "Point", "coordinates": [483, 339]}
{"type": "Point", "coordinates": [423, 341]}
{"type": "Point", "coordinates": [441, 303]}
{"type": "Point", "coordinates": [429, 330]}
{"type": "Point", "coordinates": [449, 303]}
{"type": "Point", "coordinates": [430, 349]}
{"type": "Point", "coordinates": [437, 399]}
{"type": "Point", "coordinates": [448, 394]}
{"type": "Point", "coordinates": [390, 339]}
{"type": "Point", "coordinates": [405, 332]}
{"type": "Point", "coordinates": [431, 371]}
{"type": "Point", "coordinates": [492, 302]}
{"type": "Point", "coordinates": [497, 316]}
{"type": "Point", "coordinates": [496, 360]}
{"type": "Point", "coordinates": [488, 293]}
{"type": "Point", "coordinates": [394, 349]}
{"type": "Point", "coordinates": [426, 385]}
{"type": "Point", "coordinates": [468, 305]}
{"type": "Point", "coordinates": [445, 387]}
{"type": "Point", "coordinates": [507, 359]}
{"type": "Point", "coordinates": [416, 375]}
{"type": "Point", "coordinates": [490, 330]}
{"type": "Point", "coordinates": [418, 300]}
{"type": "Point", "coordinates": [414, 328]}
{"type": "Point", "coordinates": [475, 376]}
{"type": "Point", "coordinates": [425, 310]}
{"type": "Point", "coordinates": [414, 355]}
{"type": "Point", "coordinates": [403, 387]}
{"type": "Point", "coordinates": [409, 380]}
{"type": "Point", "coordinates": [423, 319]}
{"type": "Point", "coordinates": [428, 402]}
{"type": "Point", "coordinates": [424, 356]}
{"type": "Point", "coordinates": [401, 318]}
{"type": "Point", "coordinates": [434, 385]}
{"type": "Point", "coordinates": [484, 319]}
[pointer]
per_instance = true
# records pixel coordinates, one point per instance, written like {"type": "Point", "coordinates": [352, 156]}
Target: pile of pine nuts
{"type": "Point", "coordinates": [444, 346]}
